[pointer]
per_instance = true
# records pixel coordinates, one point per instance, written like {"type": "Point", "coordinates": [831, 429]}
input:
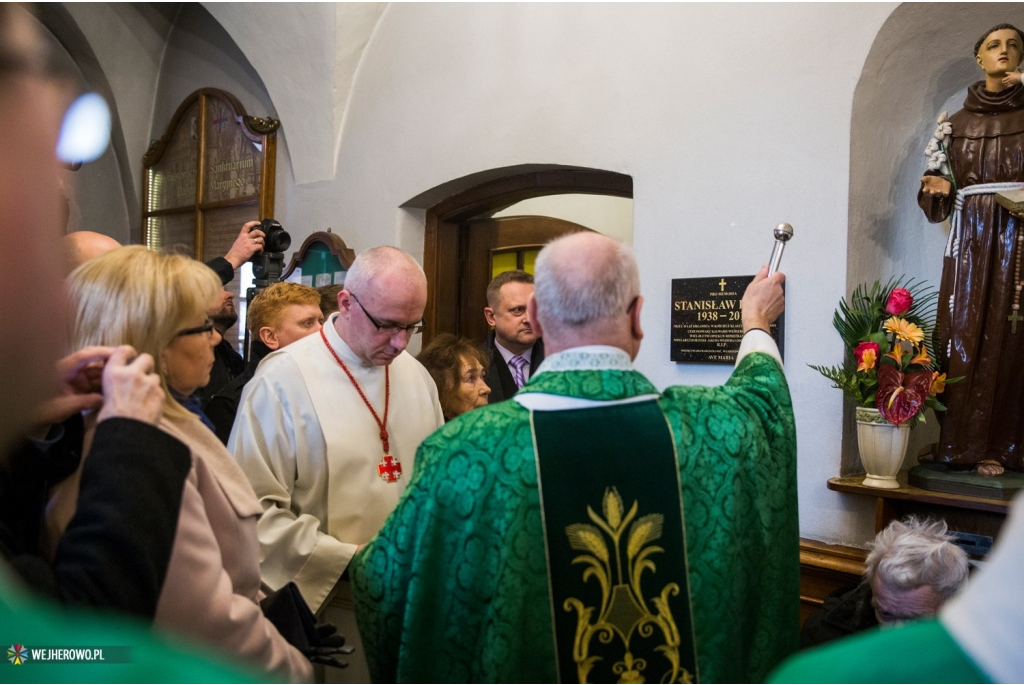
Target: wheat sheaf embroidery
{"type": "Point", "coordinates": [624, 612]}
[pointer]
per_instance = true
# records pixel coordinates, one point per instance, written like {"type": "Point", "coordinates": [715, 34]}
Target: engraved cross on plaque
{"type": "Point", "coordinates": [1013, 319]}
{"type": "Point", "coordinates": [721, 286]}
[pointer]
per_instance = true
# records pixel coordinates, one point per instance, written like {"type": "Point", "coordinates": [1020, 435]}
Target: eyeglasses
{"type": "Point", "coordinates": [205, 328]}
{"type": "Point", "coordinates": [390, 328]}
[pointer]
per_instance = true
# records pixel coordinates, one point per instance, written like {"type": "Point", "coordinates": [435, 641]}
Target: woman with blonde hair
{"type": "Point", "coordinates": [158, 304]}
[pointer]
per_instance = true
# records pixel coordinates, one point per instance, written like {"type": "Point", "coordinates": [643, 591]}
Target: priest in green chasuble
{"type": "Point", "coordinates": [593, 529]}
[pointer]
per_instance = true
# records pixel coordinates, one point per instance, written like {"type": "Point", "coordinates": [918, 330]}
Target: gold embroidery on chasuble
{"type": "Point", "coordinates": [623, 610]}
{"type": "Point", "coordinates": [617, 580]}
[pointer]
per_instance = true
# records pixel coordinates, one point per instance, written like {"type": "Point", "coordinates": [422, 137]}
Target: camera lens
{"type": "Point", "coordinates": [277, 239]}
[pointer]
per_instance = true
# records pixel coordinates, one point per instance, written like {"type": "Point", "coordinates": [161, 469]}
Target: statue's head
{"type": "Point", "coordinates": [999, 50]}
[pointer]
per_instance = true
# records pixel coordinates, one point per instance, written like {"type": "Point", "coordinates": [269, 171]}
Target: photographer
{"type": "Point", "coordinates": [249, 242]}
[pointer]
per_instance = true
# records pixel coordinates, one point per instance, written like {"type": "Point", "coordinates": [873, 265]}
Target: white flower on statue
{"type": "Point", "coordinates": [940, 140]}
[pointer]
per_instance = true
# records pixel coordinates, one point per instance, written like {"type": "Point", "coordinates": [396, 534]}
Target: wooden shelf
{"type": "Point", "coordinates": [962, 513]}
{"type": "Point", "coordinates": [855, 485]}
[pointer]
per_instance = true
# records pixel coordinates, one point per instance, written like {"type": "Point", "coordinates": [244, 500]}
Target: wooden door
{"type": "Point", "coordinates": [491, 246]}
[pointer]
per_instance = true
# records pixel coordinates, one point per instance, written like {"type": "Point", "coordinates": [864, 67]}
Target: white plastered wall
{"type": "Point", "coordinates": [612, 216]}
{"type": "Point", "coordinates": [719, 153]}
{"type": "Point", "coordinates": [729, 118]}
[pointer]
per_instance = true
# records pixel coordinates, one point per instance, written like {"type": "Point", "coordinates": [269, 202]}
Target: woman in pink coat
{"type": "Point", "coordinates": [158, 304]}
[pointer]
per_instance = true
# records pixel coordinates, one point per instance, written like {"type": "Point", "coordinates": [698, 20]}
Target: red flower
{"type": "Point", "coordinates": [900, 396]}
{"type": "Point", "coordinates": [899, 301]}
{"type": "Point", "coordinates": [866, 353]}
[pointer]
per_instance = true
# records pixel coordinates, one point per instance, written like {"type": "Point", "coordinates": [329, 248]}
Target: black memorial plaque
{"type": "Point", "coordinates": [706, 319]}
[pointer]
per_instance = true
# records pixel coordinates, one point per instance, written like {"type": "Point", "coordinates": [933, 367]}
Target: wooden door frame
{"type": "Point", "coordinates": [444, 242]}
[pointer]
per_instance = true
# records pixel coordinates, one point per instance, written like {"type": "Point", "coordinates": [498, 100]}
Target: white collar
{"type": "Point", "coordinates": [588, 358]}
{"type": "Point", "coordinates": [340, 346]}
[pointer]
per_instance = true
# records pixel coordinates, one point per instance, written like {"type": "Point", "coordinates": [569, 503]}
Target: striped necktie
{"type": "Point", "coordinates": [518, 364]}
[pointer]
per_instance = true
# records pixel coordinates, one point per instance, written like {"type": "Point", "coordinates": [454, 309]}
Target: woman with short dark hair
{"type": "Point", "coordinates": [458, 368]}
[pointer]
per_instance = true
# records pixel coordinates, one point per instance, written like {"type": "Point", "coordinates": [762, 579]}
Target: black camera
{"type": "Point", "coordinates": [276, 238]}
{"type": "Point", "coordinates": [268, 264]}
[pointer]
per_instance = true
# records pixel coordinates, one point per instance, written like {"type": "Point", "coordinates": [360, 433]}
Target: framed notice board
{"type": "Point", "coordinates": [707, 322]}
{"type": "Point", "coordinates": [323, 259]}
{"type": "Point", "coordinates": [212, 171]}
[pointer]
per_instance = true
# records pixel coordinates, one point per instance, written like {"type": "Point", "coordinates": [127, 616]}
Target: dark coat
{"type": "Point", "coordinates": [227, 366]}
{"type": "Point", "coordinates": [227, 363]}
{"type": "Point", "coordinates": [222, 268]}
{"type": "Point", "coordinates": [222, 408]}
{"type": "Point", "coordinates": [845, 612]}
{"type": "Point", "coordinates": [115, 551]}
{"type": "Point", "coordinates": [498, 377]}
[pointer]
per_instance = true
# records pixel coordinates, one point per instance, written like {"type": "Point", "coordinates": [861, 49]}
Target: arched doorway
{"type": "Point", "coordinates": [452, 289]}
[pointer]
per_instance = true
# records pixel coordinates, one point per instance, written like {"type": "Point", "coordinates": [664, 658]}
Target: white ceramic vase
{"type": "Point", "coordinates": [882, 448]}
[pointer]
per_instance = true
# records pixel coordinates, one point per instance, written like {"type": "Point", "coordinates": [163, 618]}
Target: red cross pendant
{"type": "Point", "coordinates": [390, 469]}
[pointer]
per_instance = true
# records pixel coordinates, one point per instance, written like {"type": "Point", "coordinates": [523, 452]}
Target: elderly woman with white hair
{"type": "Point", "coordinates": [913, 568]}
{"type": "Point", "coordinates": [158, 304]}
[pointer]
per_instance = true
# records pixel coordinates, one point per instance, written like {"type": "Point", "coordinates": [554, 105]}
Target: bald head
{"type": "Point", "coordinates": [584, 288]}
{"type": "Point", "coordinates": [81, 246]}
{"type": "Point", "coordinates": [383, 263]}
{"type": "Point", "coordinates": [383, 301]}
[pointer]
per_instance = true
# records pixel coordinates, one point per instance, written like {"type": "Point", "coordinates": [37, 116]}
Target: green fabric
{"type": "Point", "coordinates": [454, 589]}
{"type": "Point", "coordinates": [920, 652]}
{"type": "Point", "coordinates": [35, 623]}
{"type": "Point", "coordinates": [614, 536]}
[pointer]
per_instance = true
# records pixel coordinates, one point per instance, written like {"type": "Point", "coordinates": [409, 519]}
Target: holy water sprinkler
{"type": "Point", "coordinates": [783, 232]}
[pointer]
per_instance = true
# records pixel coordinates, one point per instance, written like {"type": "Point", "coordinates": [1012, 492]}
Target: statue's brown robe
{"type": "Point", "coordinates": [985, 417]}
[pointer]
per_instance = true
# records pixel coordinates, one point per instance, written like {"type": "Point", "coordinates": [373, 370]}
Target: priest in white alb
{"type": "Point", "coordinates": [328, 428]}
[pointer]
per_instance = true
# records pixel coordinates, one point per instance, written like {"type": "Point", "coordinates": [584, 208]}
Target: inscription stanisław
{"type": "Point", "coordinates": [707, 319]}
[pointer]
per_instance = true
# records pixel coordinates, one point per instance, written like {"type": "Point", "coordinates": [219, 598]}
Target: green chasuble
{"type": "Point", "coordinates": [919, 652]}
{"type": "Point", "coordinates": [616, 552]}
{"type": "Point", "coordinates": [454, 588]}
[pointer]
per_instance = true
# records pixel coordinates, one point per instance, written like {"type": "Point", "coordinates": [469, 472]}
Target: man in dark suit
{"type": "Point", "coordinates": [514, 348]}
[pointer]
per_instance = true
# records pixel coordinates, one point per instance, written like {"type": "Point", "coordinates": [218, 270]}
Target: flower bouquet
{"type": "Point", "coordinates": [886, 330]}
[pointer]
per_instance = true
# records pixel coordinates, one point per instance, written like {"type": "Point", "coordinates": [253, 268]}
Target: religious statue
{"type": "Point", "coordinates": [978, 152]}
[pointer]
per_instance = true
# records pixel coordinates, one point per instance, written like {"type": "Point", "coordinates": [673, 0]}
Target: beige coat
{"type": "Point", "coordinates": [213, 581]}
{"type": "Point", "coordinates": [212, 588]}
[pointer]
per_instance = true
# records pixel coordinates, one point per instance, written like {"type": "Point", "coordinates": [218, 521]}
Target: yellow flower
{"type": "Point", "coordinates": [867, 360]}
{"type": "Point", "coordinates": [904, 330]}
{"type": "Point", "coordinates": [938, 383]}
{"type": "Point", "coordinates": [922, 357]}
